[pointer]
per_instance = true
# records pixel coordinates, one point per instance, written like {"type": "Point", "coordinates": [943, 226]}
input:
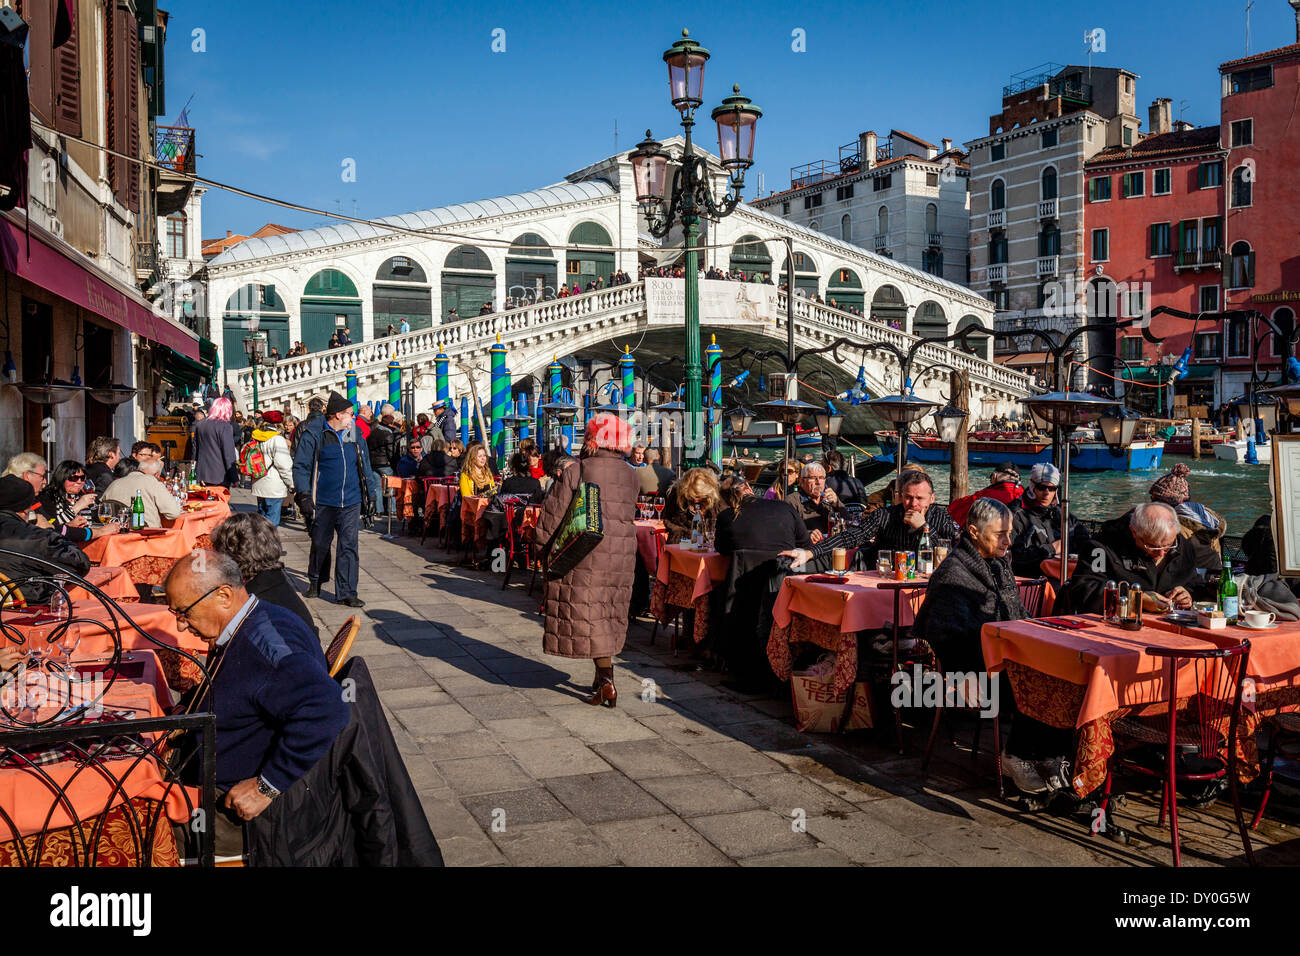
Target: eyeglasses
{"type": "Point", "coordinates": [183, 614]}
{"type": "Point", "coordinates": [1165, 550]}
{"type": "Point", "coordinates": [1038, 487]}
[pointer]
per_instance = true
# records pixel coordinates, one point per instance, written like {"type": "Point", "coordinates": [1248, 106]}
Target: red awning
{"type": "Point", "coordinates": [59, 269]}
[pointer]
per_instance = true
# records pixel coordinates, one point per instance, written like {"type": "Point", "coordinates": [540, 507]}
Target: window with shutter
{"type": "Point", "coordinates": [67, 83]}
{"type": "Point", "coordinates": [40, 37]}
{"type": "Point", "coordinates": [131, 35]}
{"type": "Point", "coordinates": [122, 66]}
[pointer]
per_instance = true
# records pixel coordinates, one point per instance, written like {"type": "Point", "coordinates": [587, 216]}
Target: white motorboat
{"type": "Point", "coordinates": [1236, 451]}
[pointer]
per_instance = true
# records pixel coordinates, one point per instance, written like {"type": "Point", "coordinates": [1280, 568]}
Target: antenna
{"type": "Point", "coordinates": [615, 136]}
{"type": "Point", "coordinates": [1248, 8]}
{"type": "Point", "coordinates": [1182, 108]}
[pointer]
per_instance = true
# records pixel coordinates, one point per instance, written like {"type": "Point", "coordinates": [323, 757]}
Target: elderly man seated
{"type": "Point", "coordinates": [159, 503]}
{"type": "Point", "coordinates": [17, 535]}
{"type": "Point", "coordinates": [897, 528]}
{"type": "Point", "coordinates": [1143, 547]}
{"type": "Point", "coordinates": [816, 503]}
{"type": "Point", "coordinates": [1036, 524]}
{"type": "Point", "coordinates": [278, 711]}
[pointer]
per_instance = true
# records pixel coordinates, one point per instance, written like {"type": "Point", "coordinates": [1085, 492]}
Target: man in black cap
{"type": "Point", "coordinates": [444, 419]}
{"type": "Point", "coordinates": [332, 461]}
{"type": "Point", "coordinates": [16, 535]}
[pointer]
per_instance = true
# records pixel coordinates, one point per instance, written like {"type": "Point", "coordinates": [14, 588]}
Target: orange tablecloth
{"type": "Point", "coordinates": [219, 493]}
{"type": "Point", "coordinates": [197, 524]}
{"type": "Point", "coordinates": [471, 509]}
{"type": "Point", "coordinates": [146, 558]}
{"type": "Point", "coordinates": [405, 493]}
{"type": "Point", "coordinates": [114, 582]}
{"type": "Point", "coordinates": [703, 569]}
{"type": "Point", "coordinates": [646, 546]}
{"type": "Point", "coordinates": [30, 802]}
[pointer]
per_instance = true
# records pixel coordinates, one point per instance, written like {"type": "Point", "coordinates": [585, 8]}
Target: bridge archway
{"type": "Point", "coordinates": [889, 306]}
{"type": "Point", "coordinates": [530, 267]}
{"type": "Point", "coordinates": [587, 264]}
{"type": "Point", "coordinates": [329, 302]}
{"type": "Point", "coordinates": [931, 322]}
{"type": "Point", "coordinates": [844, 290]}
{"type": "Point", "coordinates": [401, 291]}
{"type": "Point", "coordinates": [807, 281]}
{"type": "Point", "coordinates": [750, 255]}
{"type": "Point", "coordinates": [260, 300]}
{"type": "Point", "coordinates": [468, 282]}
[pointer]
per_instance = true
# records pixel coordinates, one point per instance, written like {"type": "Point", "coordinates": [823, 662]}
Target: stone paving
{"type": "Point", "coordinates": [513, 768]}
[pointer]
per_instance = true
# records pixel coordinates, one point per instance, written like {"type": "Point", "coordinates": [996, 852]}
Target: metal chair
{"type": "Point", "coordinates": [1193, 748]}
{"type": "Point", "coordinates": [1283, 734]}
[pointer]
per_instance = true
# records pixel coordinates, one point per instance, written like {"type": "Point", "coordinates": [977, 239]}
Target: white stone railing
{"type": "Point", "coordinates": [814, 321]}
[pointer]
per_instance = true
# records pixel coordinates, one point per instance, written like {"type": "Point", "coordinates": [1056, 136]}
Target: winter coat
{"type": "Point", "coordinates": [1113, 555]}
{"type": "Point", "coordinates": [384, 445]}
{"type": "Point", "coordinates": [214, 451]}
{"type": "Point", "coordinates": [966, 592]}
{"type": "Point", "coordinates": [446, 423]}
{"type": "Point", "coordinates": [1033, 532]}
{"type": "Point", "coordinates": [19, 536]}
{"type": "Point", "coordinates": [586, 610]}
{"type": "Point", "coordinates": [158, 502]}
{"type": "Point", "coordinates": [278, 480]}
{"type": "Point", "coordinates": [326, 464]}
{"type": "Point", "coordinates": [356, 806]}
{"type": "Point", "coordinates": [1199, 522]}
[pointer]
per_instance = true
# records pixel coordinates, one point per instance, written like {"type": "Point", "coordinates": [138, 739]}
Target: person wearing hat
{"type": "Point", "coordinates": [28, 541]}
{"type": "Point", "coordinates": [1036, 524]}
{"type": "Point", "coordinates": [272, 487]}
{"type": "Point", "coordinates": [334, 463]}
{"type": "Point", "coordinates": [444, 419]}
{"type": "Point", "coordinates": [1004, 485]}
{"type": "Point", "coordinates": [1197, 521]}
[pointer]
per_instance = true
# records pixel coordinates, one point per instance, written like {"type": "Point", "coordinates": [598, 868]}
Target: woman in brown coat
{"type": "Point", "coordinates": [586, 610]}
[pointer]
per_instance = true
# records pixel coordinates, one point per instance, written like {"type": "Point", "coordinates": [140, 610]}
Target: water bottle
{"type": "Point", "coordinates": [1229, 603]}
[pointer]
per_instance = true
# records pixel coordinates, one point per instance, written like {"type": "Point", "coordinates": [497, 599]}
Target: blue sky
{"type": "Point", "coordinates": [284, 93]}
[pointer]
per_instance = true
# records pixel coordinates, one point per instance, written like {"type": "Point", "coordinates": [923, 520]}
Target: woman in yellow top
{"type": "Point", "coordinates": [476, 477]}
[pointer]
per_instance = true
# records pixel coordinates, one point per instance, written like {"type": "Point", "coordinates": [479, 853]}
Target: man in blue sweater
{"type": "Point", "coordinates": [329, 464]}
{"type": "Point", "coordinates": [278, 711]}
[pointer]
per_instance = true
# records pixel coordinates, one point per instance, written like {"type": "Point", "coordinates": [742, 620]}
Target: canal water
{"type": "Point", "coordinates": [1240, 493]}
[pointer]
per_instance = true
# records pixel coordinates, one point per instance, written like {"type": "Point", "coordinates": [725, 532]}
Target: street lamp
{"type": "Point", "coordinates": [1118, 425]}
{"type": "Point", "coordinates": [949, 421]}
{"type": "Point", "coordinates": [739, 418]}
{"type": "Point", "coordinates": [255, 349]}
{"type": "Point", "coordinates": [829, 421]}
{"type": "Point", "coordinates": [691, 196]}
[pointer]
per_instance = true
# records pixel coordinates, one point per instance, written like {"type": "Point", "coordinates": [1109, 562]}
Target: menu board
{"type": "Point", "coordinates": [1286, 503]}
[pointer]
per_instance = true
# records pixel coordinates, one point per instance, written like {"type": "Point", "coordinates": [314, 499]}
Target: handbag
{"type": "Point", "coordinates": [581, 529]}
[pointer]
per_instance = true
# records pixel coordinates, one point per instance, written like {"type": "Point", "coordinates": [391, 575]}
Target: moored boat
{"type": "Point", "coordinates": [1236, 451]}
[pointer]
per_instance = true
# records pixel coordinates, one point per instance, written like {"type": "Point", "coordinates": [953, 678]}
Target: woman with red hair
{"type": "Point", "coordinates": [586, 610]}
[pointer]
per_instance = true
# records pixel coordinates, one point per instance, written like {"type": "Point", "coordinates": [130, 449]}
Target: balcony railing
{"type": "Point", "coordinates": [997, 218]}
{"type": "Point", "coordinates": [1199, 259]}
{"type": "Point", "coordinates": [998, 273]}
{"type": "Point", "coordinates": [1049, 267]}
{"type": "Point", "coordinates": [934, 239]}
{"type": "Point", "coordinates": [1047, 209]}
{"type": "Point", "coordinates": [881, 242]}
{"type": "Point", "coordinates": [175, 148]}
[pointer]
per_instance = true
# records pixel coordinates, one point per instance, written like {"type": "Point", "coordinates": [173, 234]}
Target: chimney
{"type": "Point", "coordinates": [227, 233]}
{"type": "Point", "coordinates": [867, 148]}
{"type": "Point", "coordinates": [1295, 5]}
{"type": "Point", "coordinates": [947, 144]}
{"type": "Point", "coordinates": [1160, 116]}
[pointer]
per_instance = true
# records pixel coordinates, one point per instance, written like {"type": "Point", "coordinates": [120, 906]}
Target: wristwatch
{"type": "Point", "coordinates": [265, 789]}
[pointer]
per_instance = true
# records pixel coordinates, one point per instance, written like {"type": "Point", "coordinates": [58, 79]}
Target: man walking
{"type": "Point", "coordinates": [333, 463]}
{"type": "Point", "coordinates": [444, 420]}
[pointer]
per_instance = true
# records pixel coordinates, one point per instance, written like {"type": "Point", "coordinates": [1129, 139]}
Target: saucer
{"type": "Point", "coordinates": [1251, 627]}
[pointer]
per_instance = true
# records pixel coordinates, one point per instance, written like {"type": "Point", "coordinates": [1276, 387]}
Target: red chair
{"type": "Point", "coordinates": [1198, 748]}
{"type": "Point", "coordinates": [1283, 734]}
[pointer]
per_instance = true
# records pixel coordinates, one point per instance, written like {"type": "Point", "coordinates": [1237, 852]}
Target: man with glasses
{"type": "Point", "coordinates": [277, 709]}
{"type": "Point", "coordinates": [1143, 547]}
{"type": "Point", "coordinates": [816, 503]}
{"type": "Point", "coordinates": [1036, 524]}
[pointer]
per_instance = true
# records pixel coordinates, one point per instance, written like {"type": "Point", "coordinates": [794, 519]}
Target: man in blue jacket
{"type": "Point", "coordinates": [331, 462]}
{"type": "Point", "coordinates": [278, 711]}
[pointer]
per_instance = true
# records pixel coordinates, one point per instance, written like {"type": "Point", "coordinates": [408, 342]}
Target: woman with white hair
{"type": "Point", "coordinates": [1143, 547]}
{"type": "Point", "coordinates": [214, 445]}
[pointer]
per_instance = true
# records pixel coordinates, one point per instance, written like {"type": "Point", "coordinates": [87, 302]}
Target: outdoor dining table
{"type": "Point", "coordinates": [471, 510]}
{"type": "Point", "coordinates": [55, 801]}
{"type": "Point", "coordinates": [405, 492]}
{"type": "Point", "coordinates": [438, 496]}
{"type": "Point", "coordinates": [147, 558]}
{"type": "Point", "coordinates": [197, 520]}
{"type": "Point", "coordinates": [1084, 680]}
{"type": "Point", "coordinates": [683, 579]}
{"type": "Point", "coordinates": [829, 612]}
{"type": "Point", "coordinates": [114, 582]}
{"type": "Point", "coordinates": [646, 544]}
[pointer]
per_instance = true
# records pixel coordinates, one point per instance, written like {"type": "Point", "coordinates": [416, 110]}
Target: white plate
{"type": "Point", "coordinates": [1252, 627]}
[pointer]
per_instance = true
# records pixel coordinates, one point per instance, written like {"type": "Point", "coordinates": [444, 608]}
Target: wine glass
{"type": "Point", "coordinates": [104, 512]}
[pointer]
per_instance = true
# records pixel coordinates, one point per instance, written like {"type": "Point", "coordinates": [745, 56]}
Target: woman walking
{"type": "Point", "coordinates": [273, 486]}
{"type": "Point", "coordinates": [214, 445]}
{"type": "Point", "coordinates": [586, 610]}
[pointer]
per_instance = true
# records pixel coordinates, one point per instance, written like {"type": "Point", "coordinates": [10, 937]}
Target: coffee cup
{"type": "Point", "coordinates": [1259, 618]}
